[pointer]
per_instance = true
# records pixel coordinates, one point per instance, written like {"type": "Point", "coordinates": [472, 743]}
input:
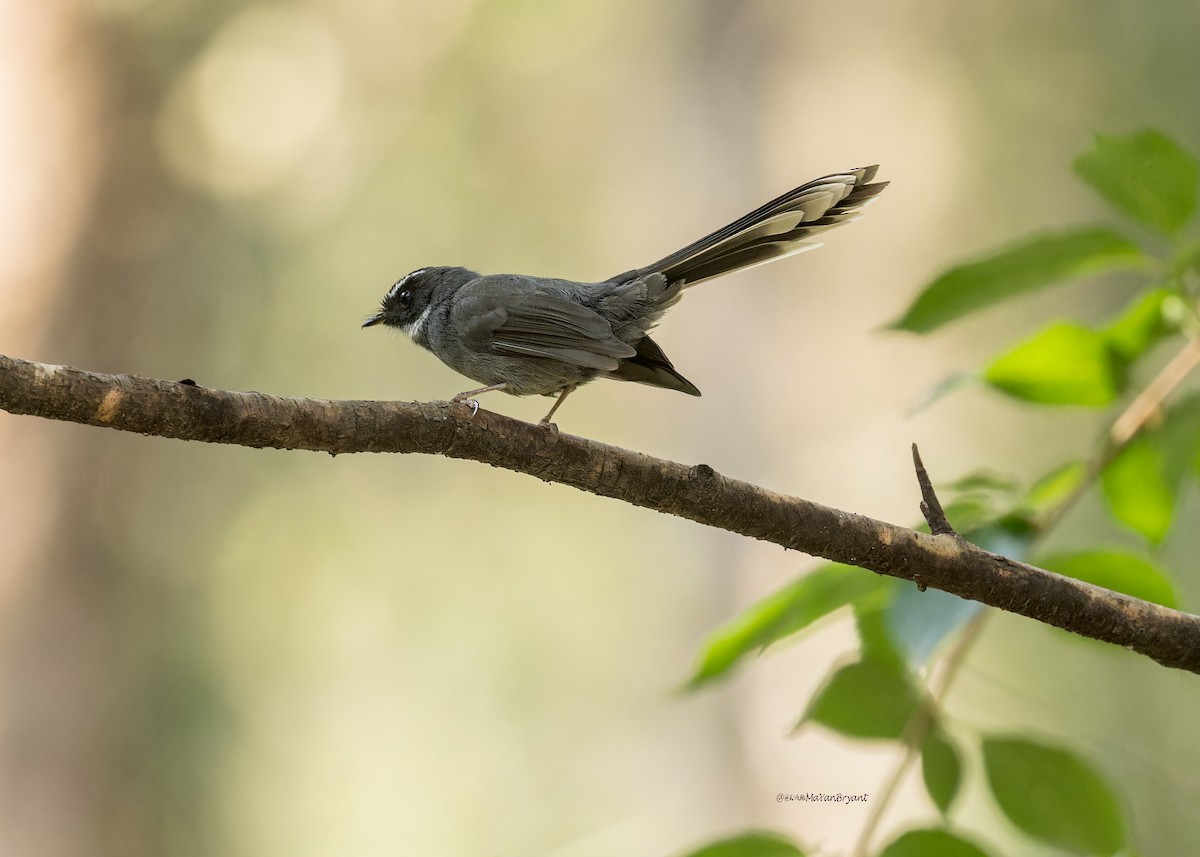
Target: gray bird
{"type": "Point", "coordinates": [539, 336]}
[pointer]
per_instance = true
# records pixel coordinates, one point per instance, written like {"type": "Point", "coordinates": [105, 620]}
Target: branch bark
{"type": "Point", "coordinates": [186, 411]}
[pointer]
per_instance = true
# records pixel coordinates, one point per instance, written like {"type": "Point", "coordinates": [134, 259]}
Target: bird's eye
{"type": "Point", "coordinates": [404, 298]}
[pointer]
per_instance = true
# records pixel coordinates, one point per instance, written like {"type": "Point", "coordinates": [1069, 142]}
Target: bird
{"type": "Point", "coordinates": [528, 335]}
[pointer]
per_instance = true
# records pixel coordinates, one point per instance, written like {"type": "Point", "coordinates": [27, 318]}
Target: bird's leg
{"type": "Point", "coordinates": [562, 394]}
{"type": "Point", "coordinates": [466, 397]}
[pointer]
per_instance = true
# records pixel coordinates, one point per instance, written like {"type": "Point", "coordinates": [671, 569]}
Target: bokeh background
{"type": "Point", "coordinates": [209, 650]}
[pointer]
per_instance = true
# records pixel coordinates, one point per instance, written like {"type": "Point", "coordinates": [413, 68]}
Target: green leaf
{"type": "Point", "coordinates": [1178, 437]}
{"type": "Point", "coordinates": [791, 609]}
{"type": "Point", "coordinates": [967, 514]}
{"type": "Point", "coordinates": [1055, 487]}
{"type": "Point", "coordinates": [932, 843]}
{"type": "Point", "coordinates": [980, 499]}
{"type": "Point", "coordinates": [919, 621]}
{"type": "Point", "coordinates": [1021, 268]}
{"type": "Point", "coordinates": [867, 699]}
{"type": "Point", "coordinates": [1139, 491]}
{"type": "Point", "coordinates": [871, 622]}
{"type": "Point", "coordinates": [1054, 796]}
{"type": "Point", "coordinates": [1141, 484]}
{"type": "Point", "coordinates": [1063, 364]}
{"type": "Point", "coordinates": [1115, 570]}
{"type": "Point", "coordinates": [1141, 325]}
{"type": "Point", "coordinates": [992, 489]}
{"type": "Point", "coordinates": [1144, 175]}
{"type": "Point", "coordinates": [1187, 258]}
{"type": "Point", "coordinates": [930, 396]}
{"type": "Point", "coordinates": [750, 845]}
{"type": "Point", "coordinates": [983, 481]}
{"type": "Point", "coordinates": [941, 769]}
{"type": "Point", "coordinates": [1010, 537]}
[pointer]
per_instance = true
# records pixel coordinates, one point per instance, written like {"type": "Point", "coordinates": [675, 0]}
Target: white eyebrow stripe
{"type": "Point", "coordinates": [395, 290]}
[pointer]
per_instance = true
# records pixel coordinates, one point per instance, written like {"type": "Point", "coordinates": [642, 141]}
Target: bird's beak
{"type": "Point", "coordinates": [373, 320]}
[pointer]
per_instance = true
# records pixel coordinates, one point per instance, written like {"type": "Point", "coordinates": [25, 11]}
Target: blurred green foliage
{"type": "Point", "coordinates": [750, 845]}
{"type": "Point", "coordinates": [1050, 793]}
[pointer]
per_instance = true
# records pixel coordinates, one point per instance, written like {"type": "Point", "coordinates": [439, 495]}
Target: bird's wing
{"type": "Point", "coordinates": [539, 324]}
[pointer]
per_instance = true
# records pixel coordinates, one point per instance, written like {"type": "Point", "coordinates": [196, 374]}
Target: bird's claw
{"type": "Point", "coordinates": [461, 399]}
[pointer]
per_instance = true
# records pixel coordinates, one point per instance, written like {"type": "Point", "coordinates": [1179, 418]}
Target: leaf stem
{"type": "Point", "coordinates": [1149, 402]}
{"type": "Point", "coordinates": [1140, 412]}
{"type": "Point", "coordinates": [918, 727]}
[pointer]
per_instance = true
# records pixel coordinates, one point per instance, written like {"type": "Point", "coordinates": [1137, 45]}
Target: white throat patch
{"type": "Point", "coordinates": [415, 329]}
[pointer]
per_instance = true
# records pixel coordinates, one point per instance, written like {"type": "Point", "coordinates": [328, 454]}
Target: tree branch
{"type": "Point", "coordinates": [186, 411]}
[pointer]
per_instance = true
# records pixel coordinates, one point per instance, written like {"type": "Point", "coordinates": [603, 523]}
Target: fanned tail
{"type": "Point", "coordinates": [780, 228]}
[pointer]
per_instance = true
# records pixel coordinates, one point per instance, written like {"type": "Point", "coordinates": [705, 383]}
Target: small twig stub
{"type": "Point", "coordinates": [931, 507]}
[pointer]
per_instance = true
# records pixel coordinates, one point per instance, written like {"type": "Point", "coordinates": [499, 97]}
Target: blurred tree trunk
{"type": "Point", "coordinates": [98, 724]}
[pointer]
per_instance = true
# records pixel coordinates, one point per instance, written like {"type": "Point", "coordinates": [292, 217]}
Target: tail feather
{"type": "Point", "coordinates": [651, 366]}
{"type": "Point", "coordinates": [780, 228]}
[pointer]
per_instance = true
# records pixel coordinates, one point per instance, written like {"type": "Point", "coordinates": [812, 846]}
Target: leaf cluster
{"type": "Point", "coordinates": [1144, 456]}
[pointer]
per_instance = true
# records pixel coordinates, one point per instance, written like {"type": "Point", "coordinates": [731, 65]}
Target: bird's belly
{"type": "Point", "coordinates": [525, 375]}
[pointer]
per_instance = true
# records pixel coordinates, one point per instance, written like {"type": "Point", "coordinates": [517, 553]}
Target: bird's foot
{"type": "Point", "coordinates": [462, 399]}
{"type": "Point", "coordinates": [551, 427]}
{"type": "Point", "coordinates": [467, 396]}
